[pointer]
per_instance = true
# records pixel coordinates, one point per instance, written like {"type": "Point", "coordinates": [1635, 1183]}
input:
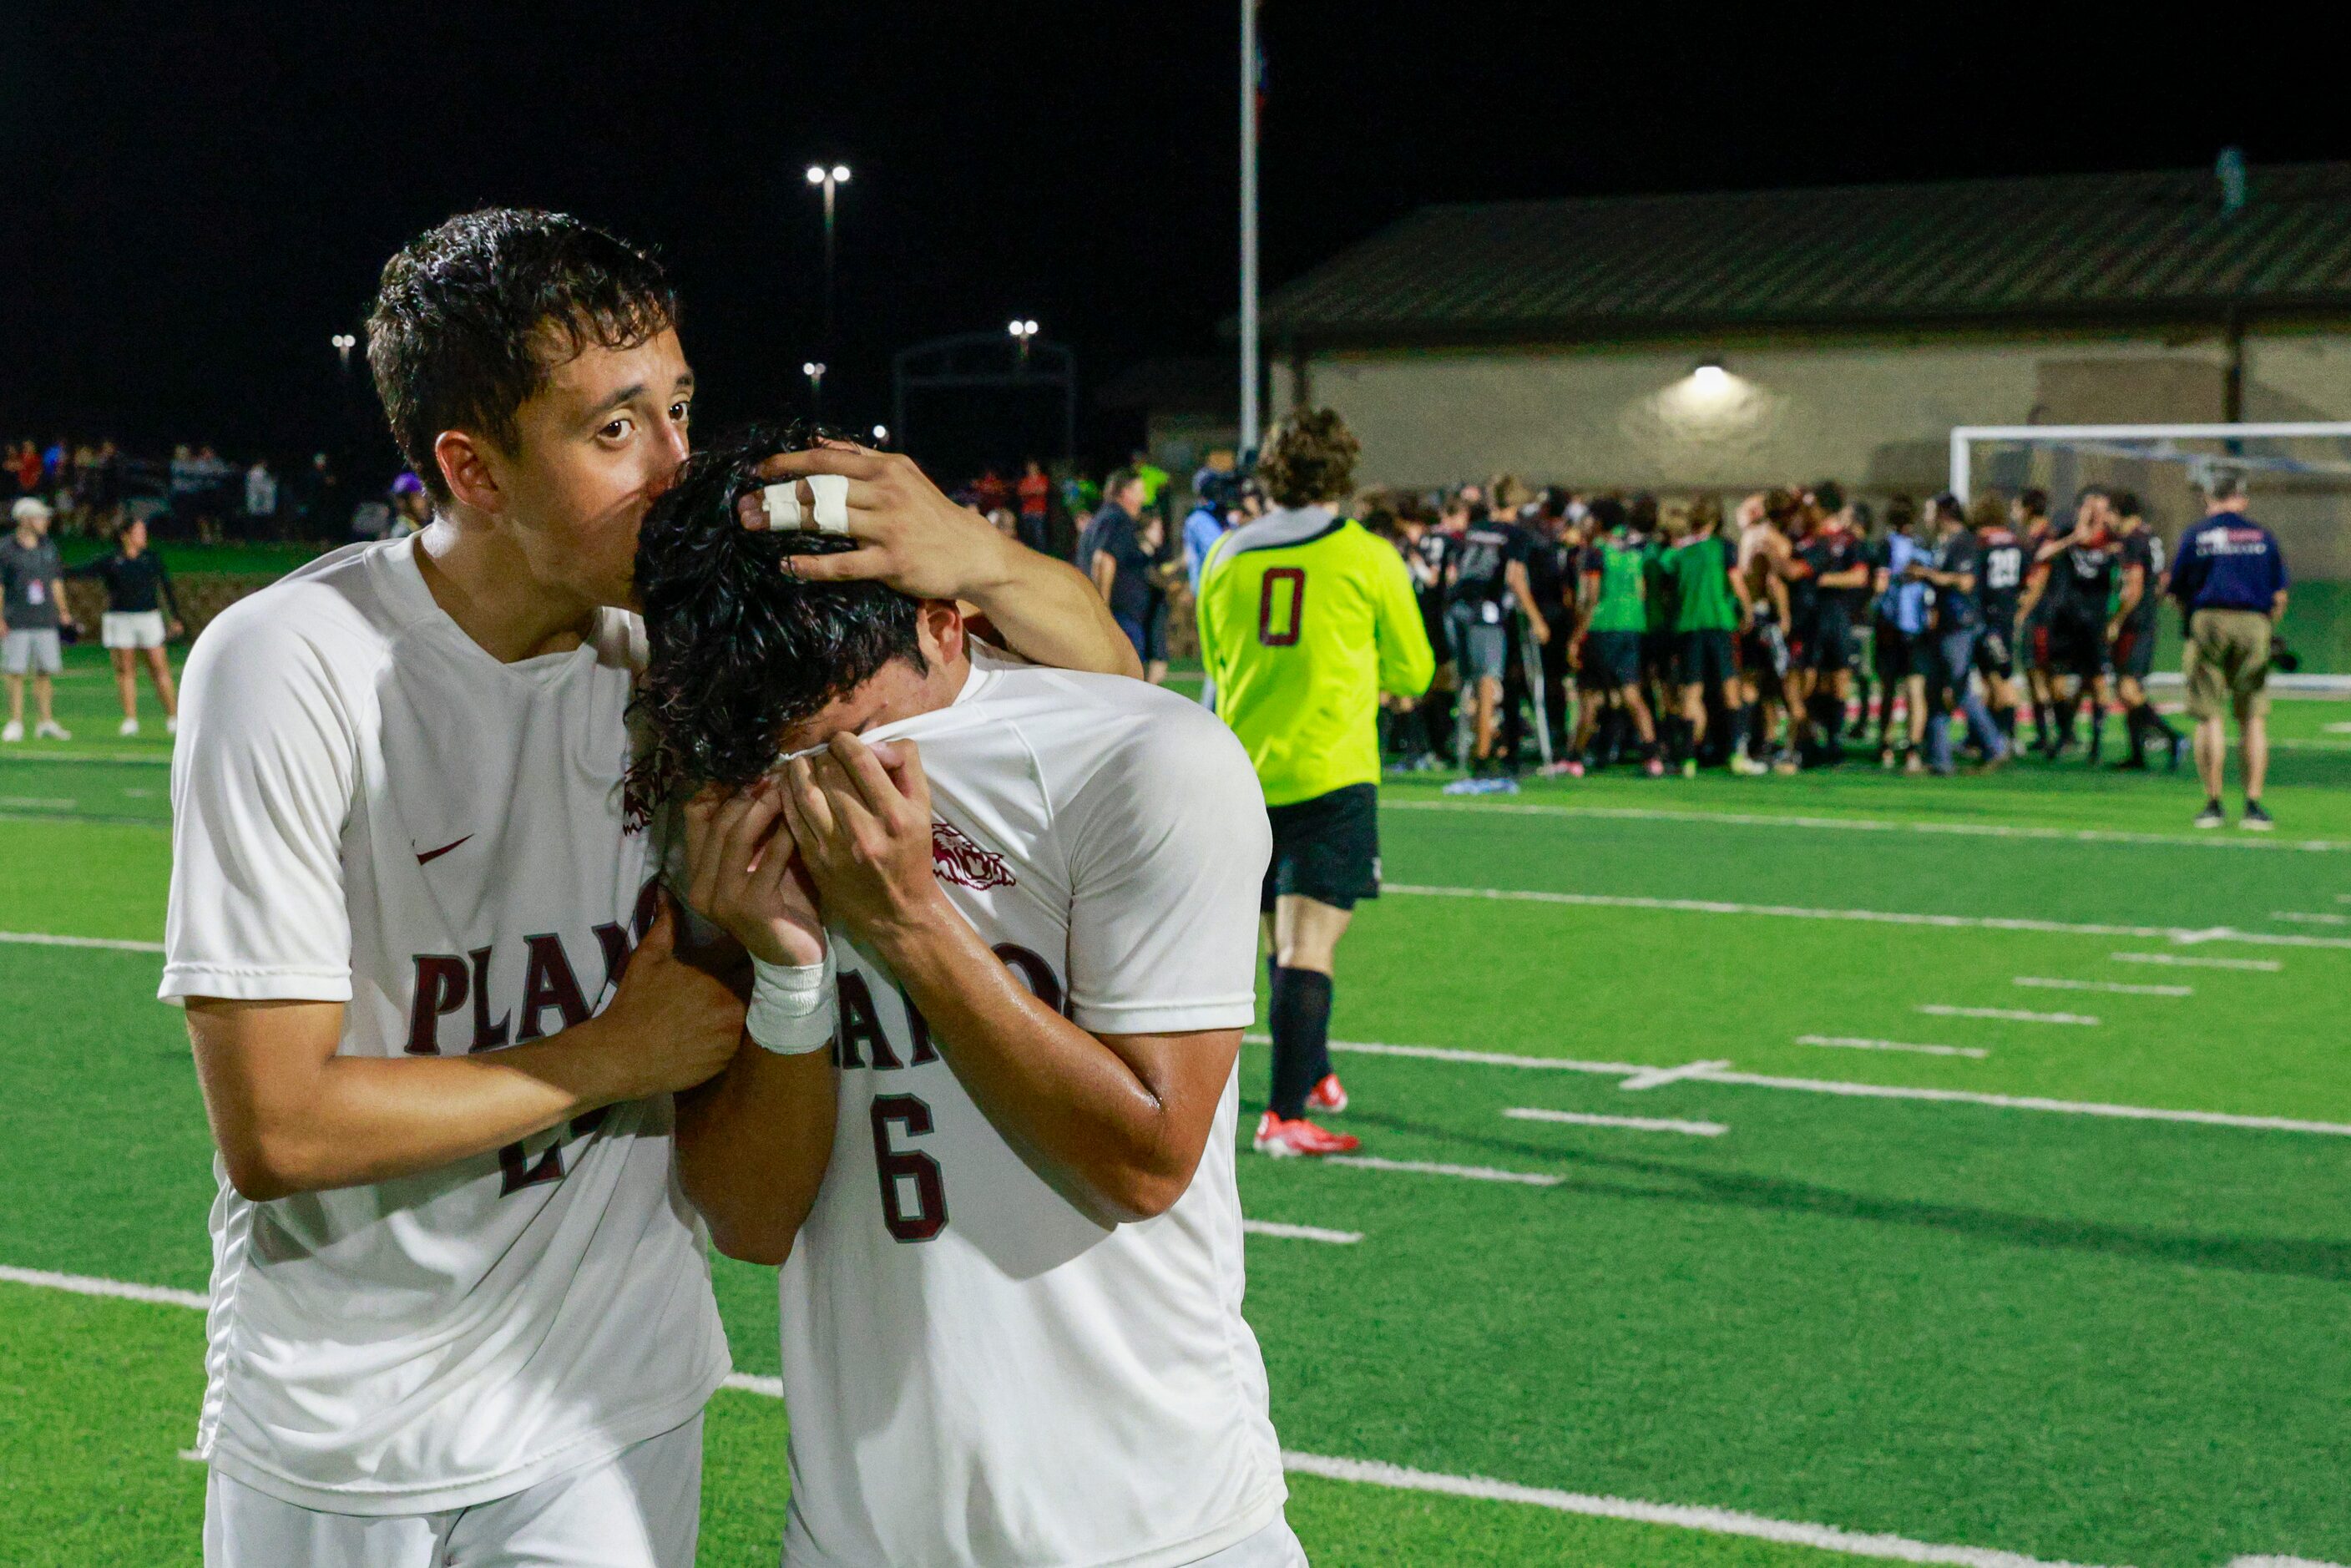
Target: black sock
{"type": "Point", "coordinates": [2097, 730]}
{"type": "Point", "coordinates": [2135, 726]}
{"type": "Point", "coordinates": [2005, 719]}
{"type": "Point", "coordinates": [1300, 1019]}
{"type": "Point", "coordinates": [2156, 725]}
{"type": "Point", "coordinates": [1734, 721]}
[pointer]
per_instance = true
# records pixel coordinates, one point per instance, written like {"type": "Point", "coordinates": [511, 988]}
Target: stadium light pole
{"type": "Point", "coordinates": [1249, 328]}
{"type": "Point", "coordinates": [814, 370]}
{"type": "Point", "coordinates": [832, 176]}
{"type": "Point", "coordinates": [1022, 331]}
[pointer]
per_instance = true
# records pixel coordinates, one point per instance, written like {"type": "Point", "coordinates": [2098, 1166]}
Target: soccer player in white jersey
{"type": "Point", "coordinates": [461, 1315]}
{"type": "Point", "coordinates": [1012, 1278]}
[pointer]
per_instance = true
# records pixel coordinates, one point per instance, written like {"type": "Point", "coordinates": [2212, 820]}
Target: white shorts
{"type": "Point", "coordinates": [638, 1509]}
{"type": "Point", "coordinates": [31, 651]}
{"type": "Point", "coordinates": [131, 628]}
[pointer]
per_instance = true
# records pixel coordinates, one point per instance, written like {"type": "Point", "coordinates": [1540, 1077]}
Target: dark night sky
{"type": "Point", "coordinates": [201, 194]}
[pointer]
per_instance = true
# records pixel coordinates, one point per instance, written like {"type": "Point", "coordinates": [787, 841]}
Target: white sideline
{"type": "Point", "coordinates": [2119, 987]}
{"type": "Point", "coordinates": [2263, 965]}
{"type": "Point", "coordinates": [1436, 1167]}
{"type": "Point", "coordinates": [1879, 916]}
{"type": "Point", "coordinates": [1302, 1232]}
{"type": "Point", "coordinates": [43, 939]}
{"type": "Point", "coordinates": [2010, 1015]}
{"type": "Point", "coordinates": [1714, 1521]}
{"type": "Point", "coordinates": [1371, 1472]}
{"type": "Point", "coordinates": [120, 1289]}
{"type": "Point", "coordinates": [2030, 1102]}
{"type": "Point", "coordinates": [1634, 1124]}
{"type": "Point", "coordinates": [1850, 1043]}
{"type": "Point", "coordinates": [1882, 825]}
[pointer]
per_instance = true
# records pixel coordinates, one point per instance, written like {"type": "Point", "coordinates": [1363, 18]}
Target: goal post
{"type": "Point", "coordinates": [2255, 448]}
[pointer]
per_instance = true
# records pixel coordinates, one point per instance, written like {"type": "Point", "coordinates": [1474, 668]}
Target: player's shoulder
{"type": "Point", "coordinates": [332, 611]}
{"type": "Point", "coordinates": [1080, 724]}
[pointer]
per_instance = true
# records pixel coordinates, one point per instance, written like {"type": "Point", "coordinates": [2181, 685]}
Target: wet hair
{"type": "Point", "coordinates": [1309, 458]}
{"type": "Point", "coordinates": [740, 650]}
{"type": "Point", "coordinates": [472, 319]}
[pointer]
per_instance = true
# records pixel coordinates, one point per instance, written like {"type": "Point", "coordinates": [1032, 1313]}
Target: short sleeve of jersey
{"type": "Point", "coordinates": [261, 784]}
{"type": "Point", "coordinates": [1168, 845]}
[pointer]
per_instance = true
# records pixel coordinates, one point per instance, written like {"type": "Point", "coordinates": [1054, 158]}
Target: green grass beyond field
{"type": "Point", "coordinates": [1640, 1279]}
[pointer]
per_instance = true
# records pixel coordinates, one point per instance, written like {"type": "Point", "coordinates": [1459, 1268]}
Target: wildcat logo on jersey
{"type": "Point", "coordinates": [956, 858]}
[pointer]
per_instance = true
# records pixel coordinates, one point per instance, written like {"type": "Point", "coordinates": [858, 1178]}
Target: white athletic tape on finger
{"type": "Point", "coordinates": [783, 504]}
{"type": "Point", "coordinates": [831, 492]}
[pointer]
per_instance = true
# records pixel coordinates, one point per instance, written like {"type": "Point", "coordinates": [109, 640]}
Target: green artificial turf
{"type": "Point", "coordinates": [2086, 1339]}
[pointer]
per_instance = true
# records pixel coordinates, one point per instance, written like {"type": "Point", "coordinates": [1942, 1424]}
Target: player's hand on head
{"type": "Point", "coordinates": [910, 535]}
{"type": "Point", "coordinates": [673, 1025]}
{"type": "Point", "coordinates": [861, 818]}
{"type": "Point", "coordinates": [743, 874]}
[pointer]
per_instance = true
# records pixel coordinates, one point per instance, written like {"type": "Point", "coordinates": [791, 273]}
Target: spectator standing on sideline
{"type": "Point", "coordinates": [2230, 581]}
{"type": "Point", "coordinates": [133, 627]}
{"type": "Point", "coordinates": [32, 609]}
{"type": "Point", "coordinates": [1035, 493]}
{"type": "Point", "coordinates": [1305, 618]}
{"type": "Point", "coordinates": [1115, 556]}
{"type": "Point", "coordinates": [27, 465]}
{"type": "Point", "coordinates": [260, 494]}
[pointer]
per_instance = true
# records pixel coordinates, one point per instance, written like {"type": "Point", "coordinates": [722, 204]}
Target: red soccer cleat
{"type": "Point", "coordinates": [1286, 1140]}
{"type": "Point", "coordinates": [1330, 1096]}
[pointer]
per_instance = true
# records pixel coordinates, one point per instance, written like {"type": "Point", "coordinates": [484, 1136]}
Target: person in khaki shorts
{"type": "Point", "coordinates": [2231, 582]}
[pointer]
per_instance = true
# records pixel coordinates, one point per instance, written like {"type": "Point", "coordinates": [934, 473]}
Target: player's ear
{"type": "Point", "coordinates": [938, 624]}
{"type": "Point", "coordinates": [465, 470]}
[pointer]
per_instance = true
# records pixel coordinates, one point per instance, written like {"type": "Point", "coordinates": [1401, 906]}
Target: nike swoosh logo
{"type": "Point", "coordinates": [430, 855]}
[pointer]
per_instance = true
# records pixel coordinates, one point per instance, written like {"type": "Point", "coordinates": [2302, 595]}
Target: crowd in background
{"type": "Point", "coordinates": [197, 494]}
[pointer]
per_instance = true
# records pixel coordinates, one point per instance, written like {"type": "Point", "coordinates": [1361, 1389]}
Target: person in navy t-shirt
{"type": "Point", "coordinates": [2231, 582]}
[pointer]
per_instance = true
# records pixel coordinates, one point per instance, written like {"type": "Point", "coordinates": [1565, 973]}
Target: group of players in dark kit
{"type": "Point", "coordinates": [1619, 629]}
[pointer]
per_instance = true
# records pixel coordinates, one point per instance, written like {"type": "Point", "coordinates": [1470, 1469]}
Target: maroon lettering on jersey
{"type": "Point", "coordinates": [861, 1025]}
{"type": "Point", "coordinates": [1034, 972]}
{"type": "Point", "coordinates": [956, 858]}
{"type": "Point", "coordinates": [548, 982]}
{"type": "Point", "coordinates": [918, 1030]}
{"type": "Point", "coordinates": [487, 1036]}
{"type": "Point", "coordinates": [441, 986]}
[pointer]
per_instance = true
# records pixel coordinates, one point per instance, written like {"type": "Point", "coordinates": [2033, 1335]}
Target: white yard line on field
{"type": "Point", "coordinates": [2119, 987]}
{"type": "Point", "coordinates": [2300, 917]}
{"type": "Point", "coordinates": [34, 803]}
{"type": "Point", "coordinates": [1631, 1124]}
{"type": "Point", "coordinates": [2006, 1015]}
{"type": "Point", "coordinates": [1435, 1168]}
{"type": "Point", "coordinates": [1400, 1478]}
{"type": "Point", "coordinates": [1302, 1232]}
{"type": "Point", "coordinates": [1658, 1077]}
{"type": "Point", "coordinates": [1848, 1042]}
{"type": "Point", "coordinates": [1483, 1058]}
{"type": "Point", "coordinates": [1879, 825]}
{"type": "Point", "coordinates": [2181, 960]}
{"type": "Point", "coordinates": [2181, 934]}
{"type": "Point", "coordinates": [2030, 1102]}
{"type": "Point", "coordinates": [44, 939]}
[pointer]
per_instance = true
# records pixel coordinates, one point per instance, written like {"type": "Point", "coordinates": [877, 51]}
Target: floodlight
{"type": "Point", "coordinates": [815, 175]}
{"type": "Point", "coordinates": [841, 173]}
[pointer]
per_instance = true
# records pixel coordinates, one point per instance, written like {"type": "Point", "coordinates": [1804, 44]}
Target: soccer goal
{"type": "Point", "coordinates": [2297, 475]}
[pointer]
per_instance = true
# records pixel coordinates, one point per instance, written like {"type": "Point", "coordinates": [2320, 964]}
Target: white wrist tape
{"type": "Point", "coordinates": [791, 1010]}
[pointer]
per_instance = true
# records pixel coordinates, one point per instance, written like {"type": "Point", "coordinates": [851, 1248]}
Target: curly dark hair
{"type": "Point", "coordinates": [740, 650]}
{"type": "Point", "coordinates": [471, 319]}
{"type": "Point", "coordinates": [1309, 458]}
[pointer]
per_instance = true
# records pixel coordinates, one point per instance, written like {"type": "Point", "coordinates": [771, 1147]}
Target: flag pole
{"type": "Point", "coordinates": [1251, 428]}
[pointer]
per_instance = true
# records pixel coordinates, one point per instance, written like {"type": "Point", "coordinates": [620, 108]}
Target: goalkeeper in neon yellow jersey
{"type": "Point", "coordinates": [1305, 618]}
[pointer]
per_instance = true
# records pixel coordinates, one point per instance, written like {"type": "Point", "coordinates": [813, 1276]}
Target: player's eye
{"type": "Point", "coordinates": [617, 430]}
{"type": "Point", "coordinates": [681, 411]}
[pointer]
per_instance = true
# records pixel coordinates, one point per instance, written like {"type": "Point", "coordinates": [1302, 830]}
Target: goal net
{"type": "Point", "coordinates": [2297, 476]}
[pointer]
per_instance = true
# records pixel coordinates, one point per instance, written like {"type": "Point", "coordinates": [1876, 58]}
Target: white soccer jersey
{"type": "Point", "coordinates": [978, 1372]}
{"type": "Point", "coordinates": [369, 808]}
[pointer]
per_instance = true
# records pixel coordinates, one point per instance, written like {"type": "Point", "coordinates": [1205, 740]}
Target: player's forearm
{"type": "Point", "coordinates": [354, 1120]}
{"type": "Point", "coordinates": [1071, 1108]}
{"type": "Point", "coordinates": [1048, 614]}
{"type": "Point", "coordinates": [752, 1148]}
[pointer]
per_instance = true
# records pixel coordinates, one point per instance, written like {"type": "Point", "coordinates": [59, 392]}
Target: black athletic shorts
{"type": "Point", "coordinates": [2076, 646]}
{"type": "Point", "coordinates": [2134, 652]}
{"type": "Point", "coordinates": [1613, 659]}
{"type": "Point", "coordinates": [1763, 655]}
{"type": "Point", "coordinates": [1828, 647]}
{"type": "Point", "coordinates": [1993, 654]}
{"type": "Point", "coordinates": [1707, 658]}
{"type": "Point", "coordinates": [1326, 849]}
{"type": "Point", "coordinates": [1657, 651]}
